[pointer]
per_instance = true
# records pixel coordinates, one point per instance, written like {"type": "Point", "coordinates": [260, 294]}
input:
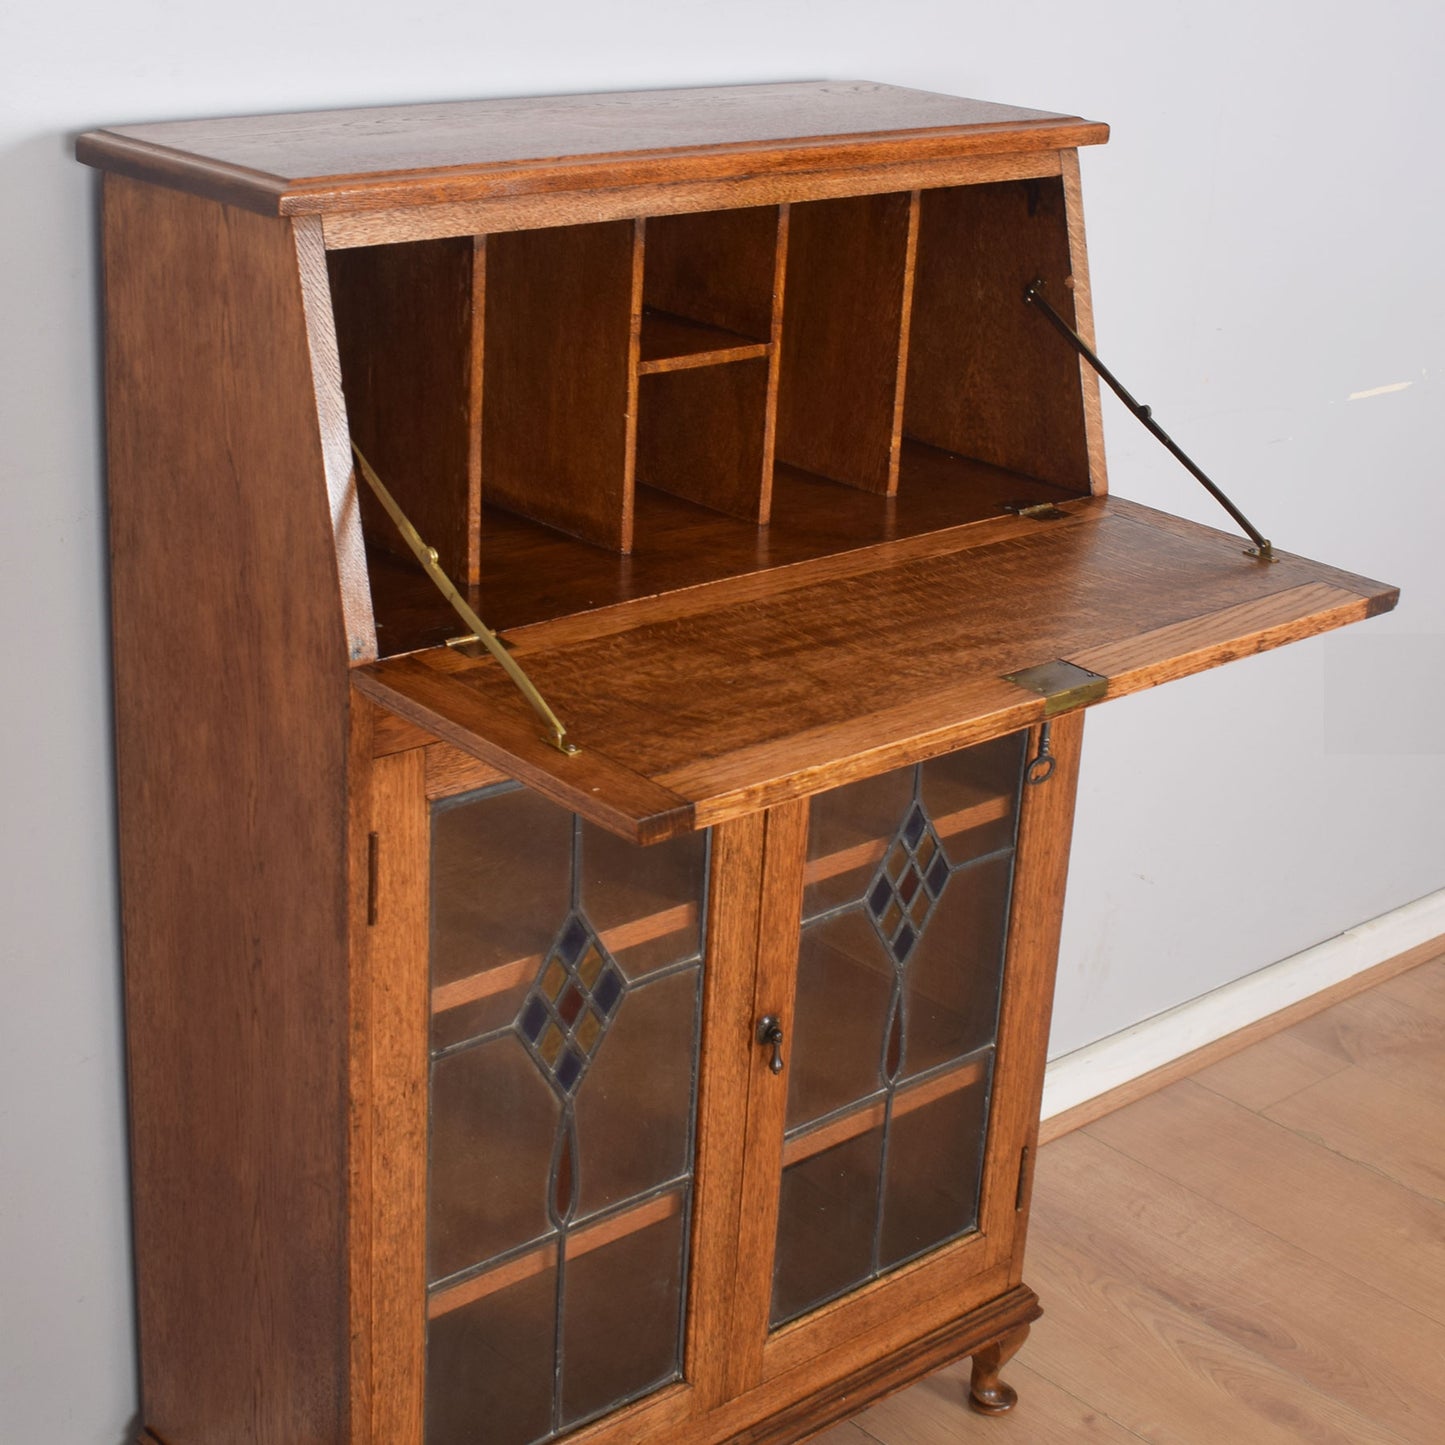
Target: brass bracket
{"type": "Point", "coordinates": [1062, 685]}
{"type": "Point", "coordinates": [1039, 511]}
{"type": "Point", "coordinates": [1033, 296]}
{"type": "Point", "coordinates": [427, 556]}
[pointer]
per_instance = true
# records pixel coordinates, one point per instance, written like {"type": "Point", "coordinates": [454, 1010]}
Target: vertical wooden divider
{"type": "Point", "coordinates": [707, 419]}
{"type": "Point", "coordinates": [850, 278]}
{"type": "Point", "coordinates": [731, 960]}
{"type": "Point", "coordinates": [559, 393]}
{"type": "Point", "coordinates": [785, 845]}
{"type": "Point", "coordinates": [407, 333]}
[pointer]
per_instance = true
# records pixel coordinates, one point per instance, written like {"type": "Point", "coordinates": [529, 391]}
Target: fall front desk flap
{"type": "Point", "coordinates": [697, 706]}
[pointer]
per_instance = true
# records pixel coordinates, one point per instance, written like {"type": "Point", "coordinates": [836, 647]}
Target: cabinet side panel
{"type": "Point", "coordinates": [987, 376]}
{"type": "Point", "coordinates": [1084, 320]}
{"type": "Point", "coordinates": [1046, 825]}
{"type": "Point", "coordinates": [231, 729]}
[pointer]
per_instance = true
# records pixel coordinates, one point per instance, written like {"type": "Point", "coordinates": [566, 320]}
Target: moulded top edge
{"type": "Point", "coordinates": [345, 160]}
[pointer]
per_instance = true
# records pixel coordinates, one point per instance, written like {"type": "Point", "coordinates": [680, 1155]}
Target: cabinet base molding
{"type": "Point", "coordinates": [1001, 1326]}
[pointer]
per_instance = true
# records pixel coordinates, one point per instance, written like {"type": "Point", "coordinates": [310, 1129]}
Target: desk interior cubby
{"type": "Point", "coordinates": [577, 415]}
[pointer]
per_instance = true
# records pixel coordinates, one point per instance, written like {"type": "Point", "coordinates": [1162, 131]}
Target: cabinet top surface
{"type": "Point", "coordinates": [329, 161]}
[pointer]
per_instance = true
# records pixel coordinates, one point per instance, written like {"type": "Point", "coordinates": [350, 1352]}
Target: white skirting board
{"type": "Point", "coordinates": [1097, 1068]}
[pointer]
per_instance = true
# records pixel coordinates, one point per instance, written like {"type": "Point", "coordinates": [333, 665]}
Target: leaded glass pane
{"type": "Point", "coordinates": [619, 1330]}
{"type": "Point", "coordinates": [563, 1089]}
{"type": "Point", "coordinates": [905, 914]}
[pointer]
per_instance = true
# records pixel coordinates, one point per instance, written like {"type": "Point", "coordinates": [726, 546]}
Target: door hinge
{"type": "Point", "coordinates": [373, 871]}
{"type": "Point", "coordinates": [1026, 1173]}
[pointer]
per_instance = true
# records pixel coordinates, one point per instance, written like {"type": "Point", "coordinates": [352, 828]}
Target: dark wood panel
{"type": "Point", "coordinates": [232, 762]}
{"type": "Point", "coordinates": [410, 363]}
{"type": "Point", "coordinates": [715, 267]}
{"type": "Point", "coordinates": [849, 278]}
{"type": "Point", "coordinates": [702, 435]}
{"type": "Point", "coordinates": [532, 573]}
{"type": "Point", "coordinates": [563, 313]}
{"type": "Point", "coordinates": [360, 159]}
{"type": "Point", "coordinates": [987, 376]}
{"type": "Point", "coordinates": [761, 690]}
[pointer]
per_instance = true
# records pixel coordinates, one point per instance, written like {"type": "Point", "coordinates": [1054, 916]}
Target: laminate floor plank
{"type": "Point", "coordinates": [1253, 1256]}
{"type": "Point", "coordinates": [1270, 1070]}
{"type": "Point", "coordinates": [1262, 1293]}
{"type": "Point", "coordinates": [1396, 1030]}
{"type": "Point", "coordinates": [1158, 1370]}
{"type": "Point", "coordinates": [936, 1412]}
{"type": "Point", "coordinates": [1367, 1118]}
{"type": "Point", "coordinates": [845, 1434]}
{"type": "Point", "coordinates": [1351, 1218]}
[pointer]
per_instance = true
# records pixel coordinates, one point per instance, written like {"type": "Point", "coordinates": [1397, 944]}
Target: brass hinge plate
{"type": "Point", "coordinates": [1039, 511]}
{"type": "Point", "coordinates": [1062, 685]}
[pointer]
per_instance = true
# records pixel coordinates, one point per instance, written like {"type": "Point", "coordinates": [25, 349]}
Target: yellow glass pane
{"type": "Point", "coordinates": [553, 979]}
{"type": "Point", "coordinates": [551, 1044]}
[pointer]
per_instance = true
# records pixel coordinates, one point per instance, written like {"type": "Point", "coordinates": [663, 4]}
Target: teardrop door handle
{"type": "Point", "coordinates": [770, 1033]}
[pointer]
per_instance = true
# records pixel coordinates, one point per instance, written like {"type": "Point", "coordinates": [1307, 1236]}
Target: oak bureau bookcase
{"type": "Point", "coordinates": [632, 1030]}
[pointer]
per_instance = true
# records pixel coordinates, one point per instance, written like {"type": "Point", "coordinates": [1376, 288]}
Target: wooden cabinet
{"type": "Point", "coordinates": [672, 1072]}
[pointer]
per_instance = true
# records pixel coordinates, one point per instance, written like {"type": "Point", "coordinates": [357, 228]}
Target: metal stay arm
{"type": "Point", "coordinates": [427, 556]}
{"type": "Point", "coordinates": [1262, 549]}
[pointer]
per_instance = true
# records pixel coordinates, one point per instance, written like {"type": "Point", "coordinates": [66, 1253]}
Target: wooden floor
{"type": "Point", "coordinates": [1251, 1256]}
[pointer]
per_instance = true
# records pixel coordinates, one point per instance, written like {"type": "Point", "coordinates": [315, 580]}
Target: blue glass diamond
{"type": "Point", "coordinates": [879, 898]}
{"type": "Point", "coordinates": [574, 936]}
{"type": "Point", "coordinates": [534, 1018]}
{"type": "Point", "coordinates": [913, 828]}
{"type": "Point", "coordinates": [608, 991]}
{"type": "Point", "coordinates": [569, 1070]}
{"type": "Point", "coordinates": [937, 875]}
{"type": "Point", "coordinates": [903, 944]}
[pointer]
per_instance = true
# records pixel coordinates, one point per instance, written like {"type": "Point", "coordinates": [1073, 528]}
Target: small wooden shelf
{"type": "Point", "coordinates": [674, 343]}
{"type": "Point", "coordinates": [506, 976]}
{"type": "Point", "coordinates": [531, 1263]}
{"type": "Point", "coordinates": [813, 1138]}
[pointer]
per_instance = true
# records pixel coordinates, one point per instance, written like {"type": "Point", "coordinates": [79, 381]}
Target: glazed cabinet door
{"type": "Point", "coordinates": [902, 1008]}
{"type": "Point", "coordinates": [535, 988]}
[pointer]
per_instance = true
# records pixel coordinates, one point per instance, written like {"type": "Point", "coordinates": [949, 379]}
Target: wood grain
{"type": "Point", "coordinates": [1352, 1220]}
{"type": "Point", "coordinates": [735, 902]}
{"type": "Point", "coordinates": [458, 151]}
{"type": "Point", "coordinates": [394, 1098]}
{"type": "Point", "coordinates": [736, 707]}
{"type": "Point", "coordinates": [331, 417]}
{"type": "Point", "coordinates": [1256, 1291]}
{"type": "Point", "coordinates": [429, 220]}
{"type": "Point", "coordinates": [1083, 298]}
{"type": "Point", "coordinates": [559, 408]}
{"type": "Point", "coordinates": [716, 268]}
{"type": "Point", "coordinates": [848, 287]}
{"type": "Point", "coordinates": [987, 376]}
{"type": "Point", "coordinates": [235, 906]}
{"type": "Point", "coordinates": [1041, 868]}
{"type": "Point", "coordinates": [532, 573]}
{"type": "Point", "coordinates": [408, 342]}
{"type": "Point", "coordinates": [702, 435]}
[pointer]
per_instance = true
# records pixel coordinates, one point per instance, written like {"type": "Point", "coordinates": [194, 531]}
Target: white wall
{"type": "Point", "coordinates": [1264, 230]}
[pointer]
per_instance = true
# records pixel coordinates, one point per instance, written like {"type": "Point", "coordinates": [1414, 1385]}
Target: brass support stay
{"type": "Point", "coordinates": [1033, 296]}
{"type": "Point", "coordinates": [427, 556]}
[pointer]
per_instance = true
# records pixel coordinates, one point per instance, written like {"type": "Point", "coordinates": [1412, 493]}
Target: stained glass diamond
{"type": "Point", "coordinates": [906, 889]}
{"type": "Point", "coordinates": [571, 1005]}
